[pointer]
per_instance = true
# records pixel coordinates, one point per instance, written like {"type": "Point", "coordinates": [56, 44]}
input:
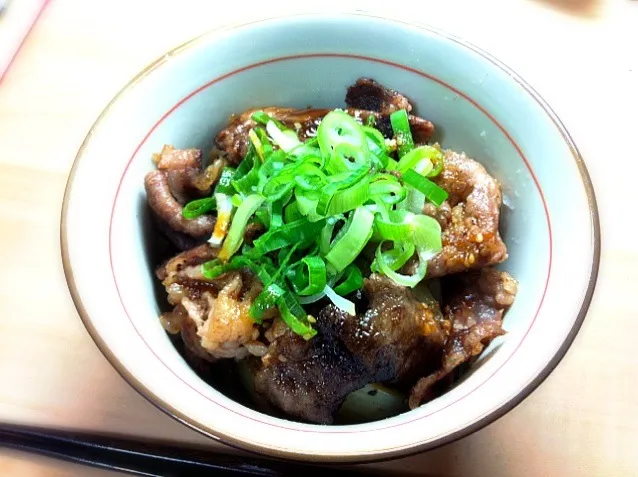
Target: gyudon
{"type": "Point", "coordinates": [330, 251]}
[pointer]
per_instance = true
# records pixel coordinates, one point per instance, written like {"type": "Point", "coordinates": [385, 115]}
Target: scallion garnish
{"type": "Point", "coordinates": [198, 207]}
{"type": "Point", "coordinates": [321, 202]}
{"type": "Point", "coordinates": [429, 189]}
{"type": "Point", "coordinates": [401, 128]}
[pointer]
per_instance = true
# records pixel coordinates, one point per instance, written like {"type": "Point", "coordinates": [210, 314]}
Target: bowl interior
{"type": "Point", "coordinates": [476, 106]}
{"type": "Point", "coordinates": [460, 126]}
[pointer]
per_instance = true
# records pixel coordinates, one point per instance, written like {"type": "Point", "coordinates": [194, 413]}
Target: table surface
{"type": "Point", "coordinates": [581, 55]}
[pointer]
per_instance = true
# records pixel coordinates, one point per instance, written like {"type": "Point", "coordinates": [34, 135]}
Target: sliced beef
{"type": "Point", "coordinates": [186, 263]}
{"type": "Point", "coordinates": [179, 240]}
{"type": "Point", "coordinates": [397, 335]}
{"type": "Point", "coordinates": [179, 179]}
{"type": "Point", "coordinates": [214, 313]}
{"type": "Point", "coordinates": [469, 219]}
{"type": "Point", "coordinates": [167, 208]}
{"type": "Point", "coordinates": [367, 94]}
{"type": "Point", "coordinates": [475, 303]}
{"type": "Point", "coordinates": [393, 341]}
{"type": "Point", "coordinates": [233, 141]}
{"type": "Point", "coordinates": [365, 98]}
{"type": "Point", "coordinates": [182, 167]}
{"type": "Point", "coordinates": [309, 379]}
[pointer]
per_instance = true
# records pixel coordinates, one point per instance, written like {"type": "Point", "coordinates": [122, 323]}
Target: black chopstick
{"type": "Point", "coordinates": [150, 459]}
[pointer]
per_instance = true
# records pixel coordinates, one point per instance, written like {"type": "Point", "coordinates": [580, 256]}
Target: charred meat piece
{"type": "Point", "coordinates": [166, 207]}
{"type": "Point", "coordinates": [469, 219]}
{"type": "Point", "coordinates": [393, 341]}
{"type": "Point", "coordinates": [309, 379]}
{"type": "Point", "coordinates": [398, 335]}
{"type": "Point", "coordinates": [369, 95]}
{"type": "Point", "coordinates": [475, 303]}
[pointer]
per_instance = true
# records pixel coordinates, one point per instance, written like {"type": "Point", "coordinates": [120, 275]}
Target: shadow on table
{"type": "Point", "coordinates": [582, 8]}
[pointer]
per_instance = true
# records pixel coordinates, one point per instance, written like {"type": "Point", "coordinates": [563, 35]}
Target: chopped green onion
{"type": "Point", "coordinates": [286, 235]}
{"type": "Point", "coordinates": [325, 239]}
{"type": "Point", "coordinates": [246, 176]}
{"type": "Point", "coordinates": [246, 165]}
{"type": "Point", "coordinates": [344, 200]}
{"type": "Point", "coordinates": [340, 302]}
{"type": "Point", "coordinates": [236, 200]}
{"type": "Point", "coordinates": [263, 118]}
{"type": "Point", "coordinates": [308, 276]}
{"type": "Point", "coordinates": [376, 144]}
{"type": "Point", "coordinates": [357, 233]}
{"type": "Point", "coordinates": [291, 212]}
{"type": "Point", "coordinates": [307, 201]}
{"type": "Point", "coordinates": [309, 177]}
{"type": "Point", "coordinates": [321, 202]}
{"type": "Point", "coordinates": [338, 127]}
{"type": "Point", "coordinates": [286, 139]}
{"type": "Point", "coordinates": [252, 135]}
{"type": "Point", "coordinates": [418, 156]}
{"type": "Point", "coordinates": [345, 182]}
{"type": "Point", "coordinates": [280, 184]}
{"type": "Point", "coordinates": [236, 233]}
{"type": "Point", "coordinates": [275, 162]}
{"type": "Point", "coordinates": [351, 281]}
{"type": "Point", "coordinates": [387, 188]}
{"type": "Point", "coordinates": [307, 300]}
{"type": "Point", "coordinates": [432, 192]}
{"type": "Point", "coordinates": [276, 213]}
{"type": "Point", "coordinates": [404, 280]}
{"type": "Point", "coordinates": [396, 257]}
{"type": "Point", "coordinates": [392, 165]}
{"type": "Point", "coordinates": [198, 207]}
{"type": "Point", "coordinates": [284, 260]}
{"type": "Point", "coordinates": [264, 301]}
{"type": "Point", "coordinates": [438, 163]}
{"type": "Point", "coordinates": [421, 230]}
{"type": "Point", "coordinates": [347, 157]}
{"type": "Point", "coordinates": [401, 128]}
{"type": "Point", "coordinates": [397, 228]}
{"type": "Point", "coordinates": [292, 313]}
{"type": "Point", "coordinates": [414, 201]}
{"type": "Point", "coordinates": [216, 267]}
{"type": "Point", "coordinates": [263, 216]}
{"type": "Point", "coordinates": [264, 140]}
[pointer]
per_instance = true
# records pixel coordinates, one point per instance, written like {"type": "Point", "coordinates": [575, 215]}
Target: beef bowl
{"type": "Point", "coordinates": [343, 248]}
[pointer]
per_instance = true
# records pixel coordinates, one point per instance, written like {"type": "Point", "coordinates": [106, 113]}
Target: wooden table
{"type": "Point", "coordinates": [582, 56]}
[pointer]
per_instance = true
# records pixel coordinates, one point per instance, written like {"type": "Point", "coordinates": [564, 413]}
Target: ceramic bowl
{"type": "Point", "coordinates": [479, 106]}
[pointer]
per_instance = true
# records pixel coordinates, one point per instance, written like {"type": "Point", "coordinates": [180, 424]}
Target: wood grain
{"type": "Point", "coordinates": [581, 56]}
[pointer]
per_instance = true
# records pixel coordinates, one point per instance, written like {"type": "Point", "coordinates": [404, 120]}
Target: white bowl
{"type": "Point", "coordinates": [549, 220]}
